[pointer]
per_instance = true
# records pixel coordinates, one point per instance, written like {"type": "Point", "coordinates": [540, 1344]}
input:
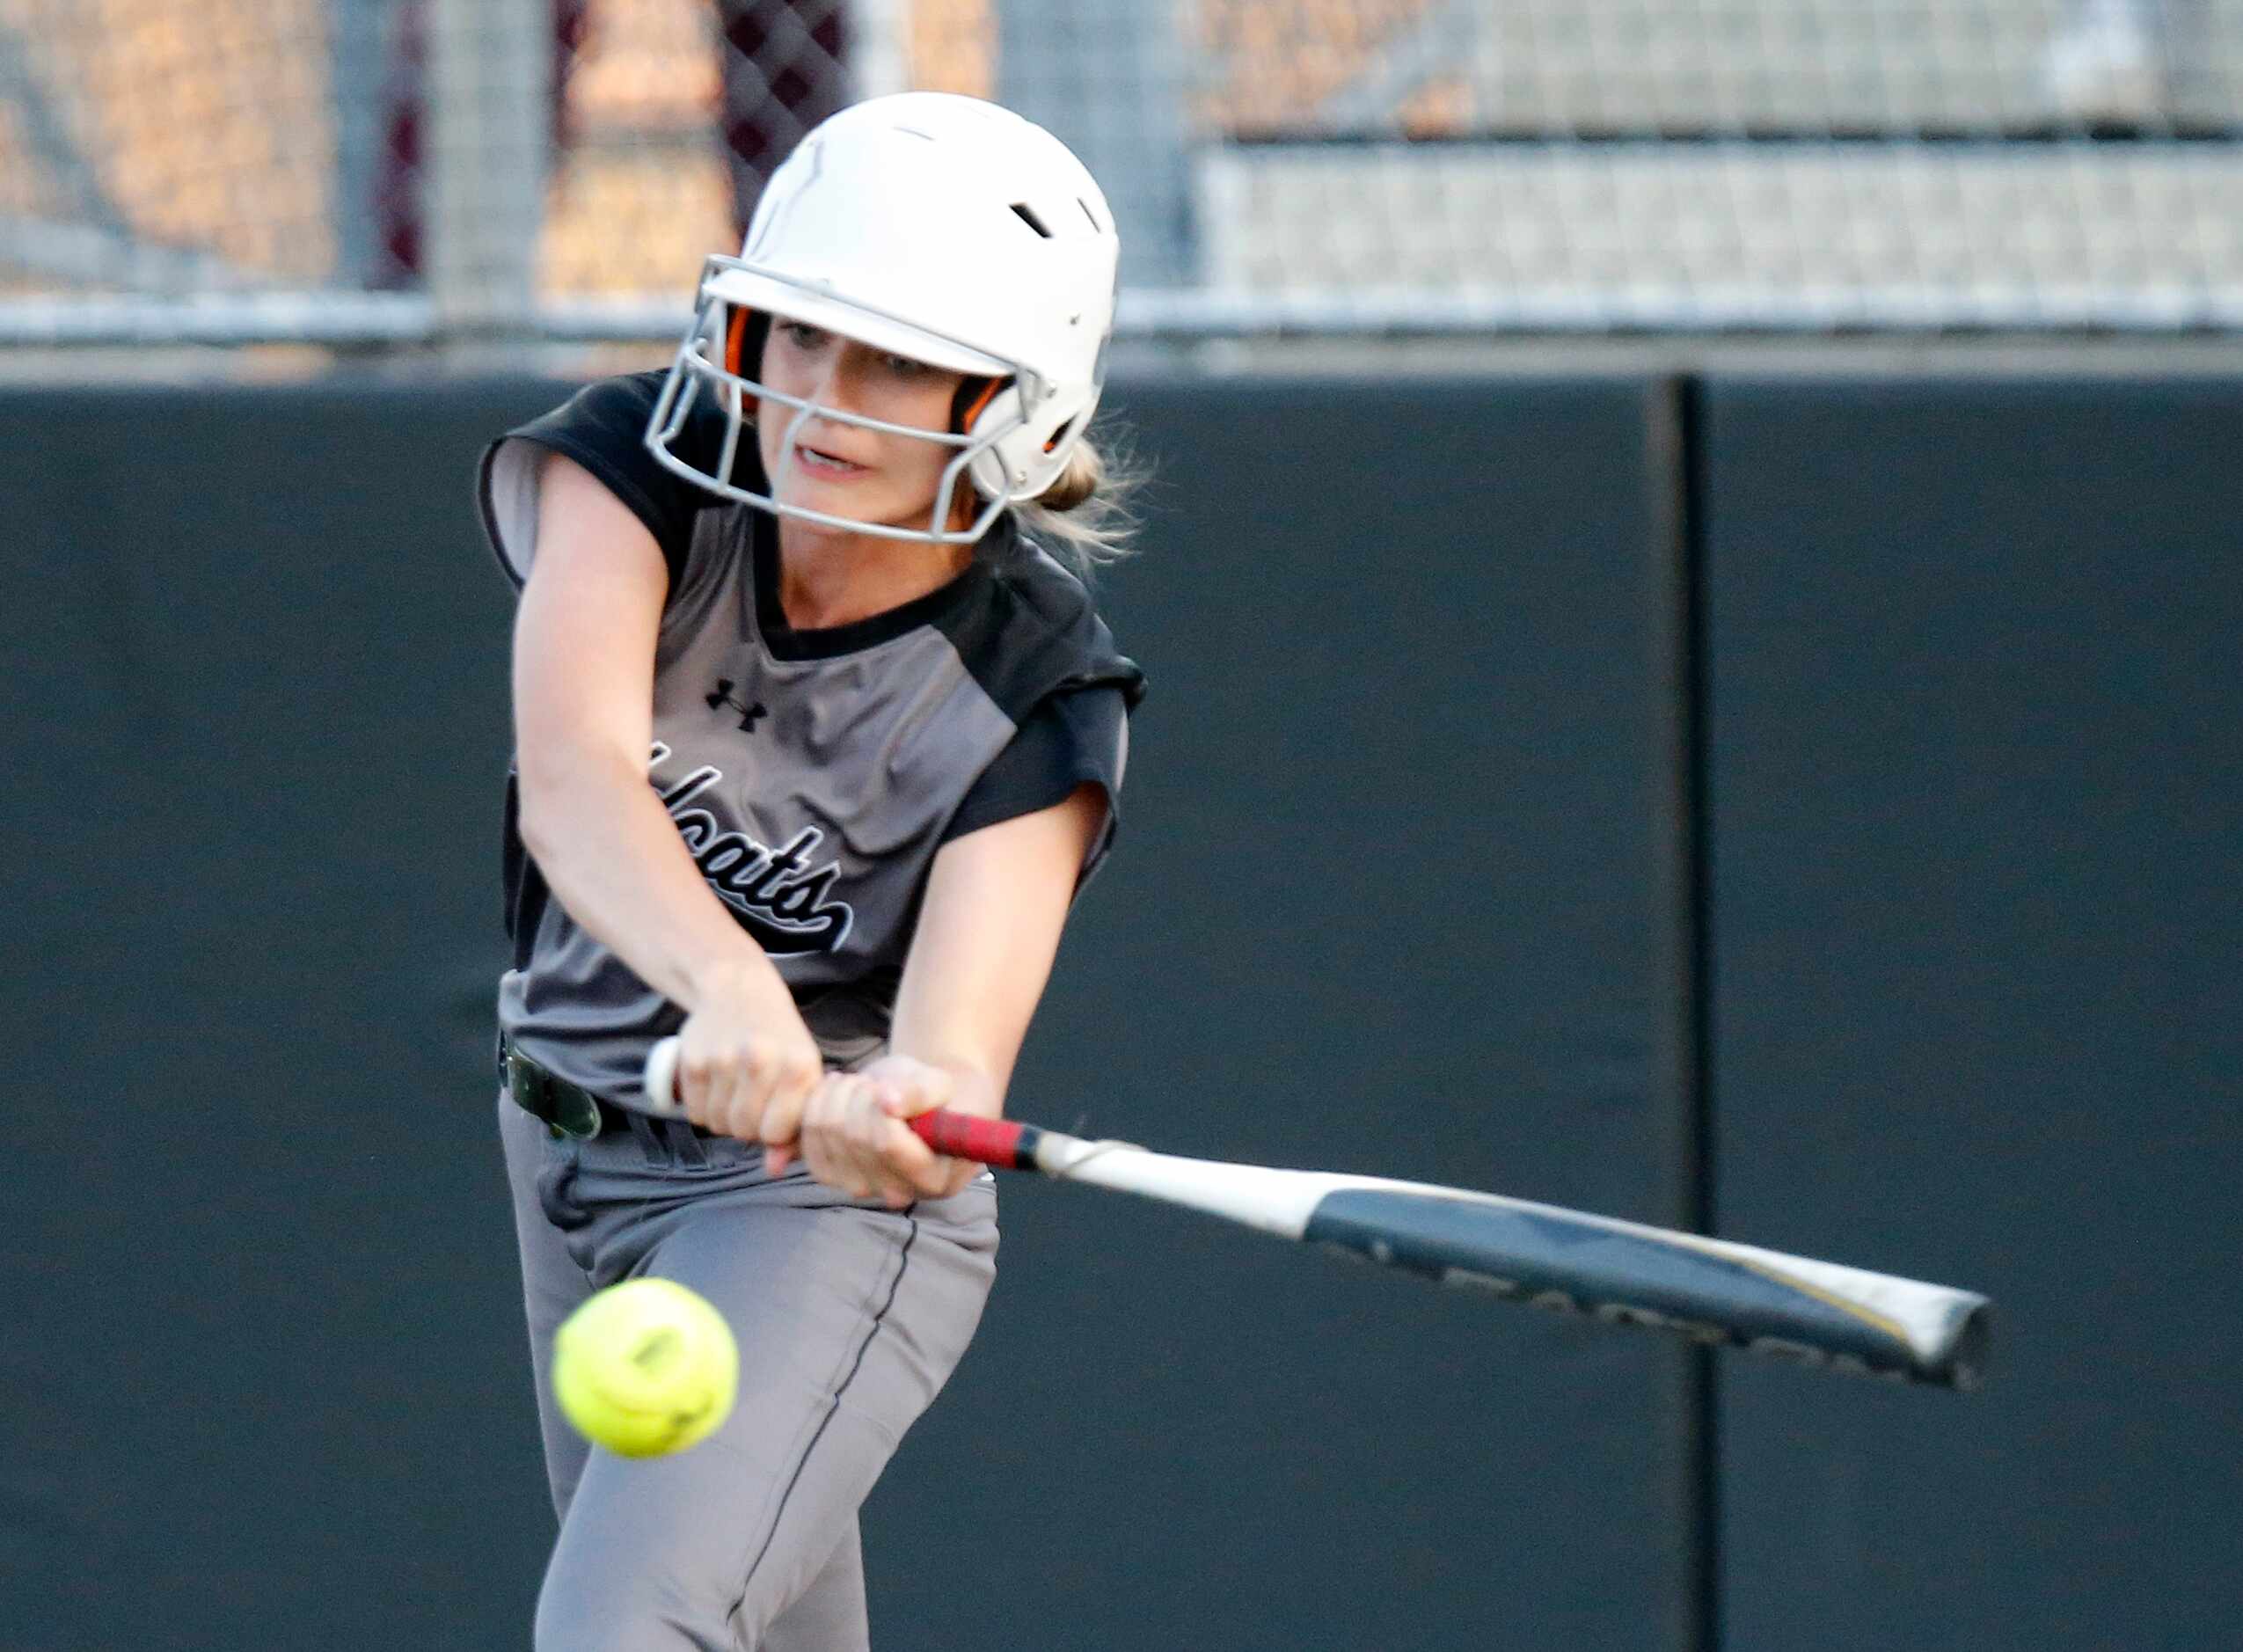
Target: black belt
{"type": "Point", "coordinates": [567, 1109]}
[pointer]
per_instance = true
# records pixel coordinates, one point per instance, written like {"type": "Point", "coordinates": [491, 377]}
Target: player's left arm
{"type": "Point", "coordinates": [997, 900]}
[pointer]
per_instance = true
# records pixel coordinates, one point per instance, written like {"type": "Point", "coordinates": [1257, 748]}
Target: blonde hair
{"type": "Point", "coordinates": [1085, 518]}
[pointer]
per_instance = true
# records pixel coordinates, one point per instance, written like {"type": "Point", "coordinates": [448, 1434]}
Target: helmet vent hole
{"type": "Point", "coordinates": [1062, 434]}
{"type": "Point", "coordinates": [1026, 214]}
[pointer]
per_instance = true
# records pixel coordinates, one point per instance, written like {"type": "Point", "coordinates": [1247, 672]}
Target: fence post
{"type": "Point", "coordinates": [490, 131]}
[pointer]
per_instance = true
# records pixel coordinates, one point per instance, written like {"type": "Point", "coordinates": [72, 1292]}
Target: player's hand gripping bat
{"type": "Point", "coordinates": [1622, 1273]}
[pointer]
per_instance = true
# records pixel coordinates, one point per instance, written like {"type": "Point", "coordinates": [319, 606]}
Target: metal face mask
{"type": "Point", "coordinates": [704, 366]}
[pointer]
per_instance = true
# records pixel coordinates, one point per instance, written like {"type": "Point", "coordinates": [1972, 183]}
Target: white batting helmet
{"type": "Point", "coordinates": [941, 228]}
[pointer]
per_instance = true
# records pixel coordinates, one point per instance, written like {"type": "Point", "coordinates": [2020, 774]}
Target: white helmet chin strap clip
{"type": "Point", "coordinates": [734, 394]}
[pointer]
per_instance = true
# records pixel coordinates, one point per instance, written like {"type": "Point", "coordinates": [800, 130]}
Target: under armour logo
{"type": "Point", "coordinates": [748, 713]}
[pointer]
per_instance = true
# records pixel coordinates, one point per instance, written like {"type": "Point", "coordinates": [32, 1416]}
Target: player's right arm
{"type": "Point", "coordinates": [583, 708]}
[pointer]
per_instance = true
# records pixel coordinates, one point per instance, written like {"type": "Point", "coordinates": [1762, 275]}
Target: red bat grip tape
{"type": "Point", "coordinates": [985, 1141]}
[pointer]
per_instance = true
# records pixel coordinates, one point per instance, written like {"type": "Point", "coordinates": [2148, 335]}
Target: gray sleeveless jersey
{"type": "Point", "coordinates": [813, 775]}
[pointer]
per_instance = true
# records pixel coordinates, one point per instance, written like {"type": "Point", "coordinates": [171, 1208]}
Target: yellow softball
{"type": "Point", "coordinates": [646, 1368]}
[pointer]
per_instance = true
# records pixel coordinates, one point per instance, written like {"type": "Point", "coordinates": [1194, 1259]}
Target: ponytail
{"type": "Point", "coordinates": [1083, 517]}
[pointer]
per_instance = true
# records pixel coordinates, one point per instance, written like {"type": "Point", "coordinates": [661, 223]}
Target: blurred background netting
{"type": "Point", "coordinates": [409, 171]}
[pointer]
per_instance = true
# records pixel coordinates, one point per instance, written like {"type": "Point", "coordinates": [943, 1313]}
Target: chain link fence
{"type": "Point", "coordinates": [369, 172]}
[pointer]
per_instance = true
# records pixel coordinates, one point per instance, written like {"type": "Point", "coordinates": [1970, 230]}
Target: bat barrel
{"type": "Point", "coordinates": [1707, 1290]}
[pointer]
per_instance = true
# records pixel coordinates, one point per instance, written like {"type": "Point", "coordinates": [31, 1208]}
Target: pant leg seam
{"type": "Point", "coordinates": [833, 1409]}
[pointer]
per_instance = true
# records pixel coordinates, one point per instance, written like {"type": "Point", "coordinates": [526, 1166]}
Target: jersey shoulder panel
{"type": "Point", "coordinates": [603, 427]}
{"type": "Point", "coordinates": [1036, 632]}
{"type": "Point", "coordinates": [1075, 737]}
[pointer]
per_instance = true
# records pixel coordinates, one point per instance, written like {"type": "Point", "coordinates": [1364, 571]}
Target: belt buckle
{"type": "Point", "coordinates": [567, 1109]}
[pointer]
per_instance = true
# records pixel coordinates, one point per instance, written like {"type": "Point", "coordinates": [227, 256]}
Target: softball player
{"type": "Point", "coordinates": [815, 742]}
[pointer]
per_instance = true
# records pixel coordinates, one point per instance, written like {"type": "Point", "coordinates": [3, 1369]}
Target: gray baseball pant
{"type": "Point", "coordinates": [849, 1318]}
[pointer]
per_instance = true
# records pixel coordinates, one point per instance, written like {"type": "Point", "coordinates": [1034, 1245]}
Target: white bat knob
{"type": "Point", "coordinates": [661, 1079]}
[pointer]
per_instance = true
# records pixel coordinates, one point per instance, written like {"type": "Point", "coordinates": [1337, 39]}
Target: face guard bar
{"type": "Point", "coordinates": [692, 369]}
